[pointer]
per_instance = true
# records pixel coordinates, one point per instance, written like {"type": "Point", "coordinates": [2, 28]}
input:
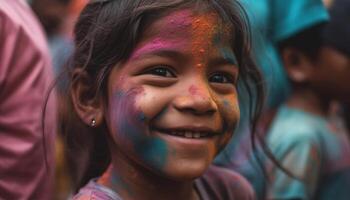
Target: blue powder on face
{"type": "Point", "coordinates": [224, 51]}
{"type": "Point", "coordinates": [119, 183]}
{"type": "Point", "coordinates": [229, 56]}
{"type": "Point", "coordinates": [161, 113]}
{"type": "Point", "coordinates": [152, 150]}
{"type": "Point", "coordinates": [142, 117]}
{"type": "Point", "coordinates": [119, 94]}
{"type": "Point", "coordinates": [132, 126]}
{"type": "Point", "coordinates": [226, 104]}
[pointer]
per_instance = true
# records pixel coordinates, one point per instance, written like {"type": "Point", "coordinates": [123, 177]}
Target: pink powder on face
{"type": "Point", "coordinates": [159, 44]}
{"type": "Point", "coordinates": [193, 90]}
{"type": "Point", "coordinates": [181, 19]}
{"type": "Point", "coordinates": [171, 34]}
{"type": "Point", "coordinates": [197, 91]}
{"type": "Point", "coordinates": [182, 31]}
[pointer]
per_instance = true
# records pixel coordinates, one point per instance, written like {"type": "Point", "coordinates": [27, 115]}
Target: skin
{"type": "Point", "coordinates": [333, 74]}
{"type": "Point", "coordinates": [327, 77]}
{"type": "Point", "coordinates": [181, 77]}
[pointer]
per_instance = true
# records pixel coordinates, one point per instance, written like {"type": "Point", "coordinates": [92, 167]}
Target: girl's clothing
{"type": "Point", "coordinates": [217, 183]}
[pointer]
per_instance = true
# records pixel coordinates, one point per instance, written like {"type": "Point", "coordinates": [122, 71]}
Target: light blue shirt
{"type": "Point", "coordinates": [314, 150]}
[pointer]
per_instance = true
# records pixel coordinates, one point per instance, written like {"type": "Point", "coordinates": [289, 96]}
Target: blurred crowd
{"type": "Point", "coordinates": [302, 48]}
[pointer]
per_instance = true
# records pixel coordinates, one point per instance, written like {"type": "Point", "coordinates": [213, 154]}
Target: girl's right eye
{"type": "Point", "coordinates": [160, 71]}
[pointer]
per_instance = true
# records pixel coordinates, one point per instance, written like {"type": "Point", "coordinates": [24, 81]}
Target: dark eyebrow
{"type": "Point", "coordinates": [220, 61]}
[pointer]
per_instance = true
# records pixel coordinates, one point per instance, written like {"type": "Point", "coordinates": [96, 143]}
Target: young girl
{"type": "Point", "coordinates": [154, 89]}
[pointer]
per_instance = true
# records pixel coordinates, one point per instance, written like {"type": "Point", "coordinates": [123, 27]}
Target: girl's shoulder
{"type": "Point", "coordinates": [217, 183]}
{"type": "Point", "coordinates": [93, 191]}
{"type": "Point", "coordinates": [222, 183]}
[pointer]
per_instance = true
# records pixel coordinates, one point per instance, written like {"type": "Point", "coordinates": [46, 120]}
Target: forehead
{"type": "Point", "coordinates": [186, 23]}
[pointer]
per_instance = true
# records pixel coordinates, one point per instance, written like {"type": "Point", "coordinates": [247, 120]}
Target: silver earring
{"type": "Point", "coordinates": [93, 123]}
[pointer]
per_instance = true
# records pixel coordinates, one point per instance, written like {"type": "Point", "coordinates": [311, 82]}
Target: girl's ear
{"type": "Point", "coordinates": [88, 106]}
{"type": "Point", "coordinates": [299, 67]}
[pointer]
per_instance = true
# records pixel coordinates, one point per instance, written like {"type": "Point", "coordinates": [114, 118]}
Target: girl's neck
{"type": "Point", "coordinates": [131, 181]}
{"type": "Point", "coordinates": [309, 101]}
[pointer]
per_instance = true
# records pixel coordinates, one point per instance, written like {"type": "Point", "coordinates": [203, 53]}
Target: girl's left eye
{"type": "Point", "coordinates": [161, 71]}
{"type": "Point", "coordinates": [222, 78]}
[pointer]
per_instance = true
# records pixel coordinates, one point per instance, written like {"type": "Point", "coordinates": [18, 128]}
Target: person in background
{"type": "Point", "coordinates": [272, 21]}
{"type": "Point", "coordinates": [26, 147]}
{"type": "Point", "coordinates": [52, 15]}
{"type": "Point", "coordinates": [337, 39]}
{"type": "Point", "coordinates": [302, 136]}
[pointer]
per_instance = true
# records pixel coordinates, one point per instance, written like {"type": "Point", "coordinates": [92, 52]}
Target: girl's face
{"type": "Point", "coordinates": [173, 105]}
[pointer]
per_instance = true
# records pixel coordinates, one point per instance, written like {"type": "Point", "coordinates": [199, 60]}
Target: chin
{"type": "Point", "coordinates": [187, 171]}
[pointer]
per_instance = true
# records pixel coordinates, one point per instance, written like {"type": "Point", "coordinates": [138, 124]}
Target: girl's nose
{"type": "Point", "coordinates": [198, 100]}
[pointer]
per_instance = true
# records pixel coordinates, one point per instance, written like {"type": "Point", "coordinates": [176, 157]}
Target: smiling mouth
{"type": "Point", "coordinates": [190, 134]}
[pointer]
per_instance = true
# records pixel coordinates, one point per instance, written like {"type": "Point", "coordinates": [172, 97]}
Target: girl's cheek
{"type": "Point", "coordinates": [125, 118]}
{"type": "Point", "coordinates": [131, 128]}
{"type": "Point", "coordinates": [230, 113]}
{"type": "Point", "coordinates": [231, 109]}
{"type": "Point", "coordinates": [153, 102]}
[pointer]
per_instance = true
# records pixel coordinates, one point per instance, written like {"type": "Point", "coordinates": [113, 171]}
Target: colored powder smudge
{"type": "Point", "coordinates": [226, 137]}
{"type": "Point", "coordinates": [179, 23]}
{"type": "Point", "coordinates": [155, 44]}
{"type": "Point", "coordinates": [227, 104]}
{"type": "Point", "coordinates": [193, 90]}
{"type": "Point", "coordinates": [119, 94]}
{"type": "Point", "coordinates": [227, 53]}
{"type": "Point", "coordinates": [131, 127]}
{"type": "Point", "coordinates": [161, 113]}
{"type": "Point", "coordinates": [142, 117]}
{"type": "Point", "coordinates": [206, 30]}
{"type": "Point", "coordinates": [196, 91]}
{"type": "Point", "coordinates": [117, 182]}
{"type": "Point", "coordinates": [203, 29]}
{"type": "Point", "coordinates": [229, 56]}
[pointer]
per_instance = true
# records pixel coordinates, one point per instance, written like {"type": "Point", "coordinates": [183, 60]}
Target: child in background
{"type": "Point", "coordinates": [153, 86]}
{"type": "Point", "coordinates": [336, 37]}
{"type": "Point", "coordinates": [301, 136]}
{"type": "Point", "coordinates": [271, 21]}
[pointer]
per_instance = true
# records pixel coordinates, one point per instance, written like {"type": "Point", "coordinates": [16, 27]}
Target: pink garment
{"type": "Point", "coordinates": [25, 77]}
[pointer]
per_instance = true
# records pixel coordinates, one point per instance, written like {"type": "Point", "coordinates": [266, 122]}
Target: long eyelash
{"type": "Point", "coordinates": [231, 79]}
{"type": "Point", "coordinates": [166, 67]}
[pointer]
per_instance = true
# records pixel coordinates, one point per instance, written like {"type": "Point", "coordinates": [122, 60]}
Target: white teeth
{"type": "Point", "coordinates": [197, 135]}
{"type": "Point", "coordinates": [188, 134]}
